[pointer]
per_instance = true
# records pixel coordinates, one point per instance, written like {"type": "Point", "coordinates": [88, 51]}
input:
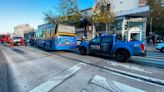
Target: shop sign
{"type": "Point", "coordinates": [136, 19]}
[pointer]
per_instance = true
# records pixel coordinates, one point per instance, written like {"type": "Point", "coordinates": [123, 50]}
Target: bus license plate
{"type": "Point", "coordinates": [67, 42]}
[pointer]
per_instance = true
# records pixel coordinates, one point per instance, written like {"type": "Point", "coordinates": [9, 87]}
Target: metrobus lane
{"type": "Point", "coordinates": [147, 72]}
{"type": "Point", "coordinates": [96, 79]}
{"type": "Point", "coordinates": [28, 68]}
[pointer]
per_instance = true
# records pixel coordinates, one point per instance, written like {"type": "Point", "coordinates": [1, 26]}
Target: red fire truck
{"type": "Point", "coordinates": [4, 38]}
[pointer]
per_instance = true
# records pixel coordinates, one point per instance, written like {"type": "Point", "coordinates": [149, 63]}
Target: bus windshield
{"type": "Point", "coordinates": [65, 29]}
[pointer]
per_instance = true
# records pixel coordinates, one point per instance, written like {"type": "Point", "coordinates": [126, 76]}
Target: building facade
{"type": "Point", "coordinates": [21, 29]}
{"type": "Point", "coordinates": [130, 19]}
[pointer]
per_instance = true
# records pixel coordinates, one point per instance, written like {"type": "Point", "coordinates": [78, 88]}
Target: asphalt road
{"type": "Point", "coordinates": [34, 70]}
{"type": "Point", "coordinates": [3, 73]}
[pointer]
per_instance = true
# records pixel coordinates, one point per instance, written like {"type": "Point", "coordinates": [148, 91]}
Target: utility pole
{"type": "Point", "coordinates": [151, 19]}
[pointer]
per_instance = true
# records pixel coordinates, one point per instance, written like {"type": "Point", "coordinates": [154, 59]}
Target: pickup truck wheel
{"type": "Point", "coordinates": [162, 49]}
{"type": "Point", "coordinates": [122, 56]}
{"type": "Point", "coordinates": [83, 51]}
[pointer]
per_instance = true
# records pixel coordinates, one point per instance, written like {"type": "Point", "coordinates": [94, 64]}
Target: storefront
{"type": "Point", "coordinates": [135, 28]}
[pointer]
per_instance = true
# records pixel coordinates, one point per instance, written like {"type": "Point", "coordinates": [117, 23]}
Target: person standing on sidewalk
{"type": "Point", "coordinates": [151, 42]}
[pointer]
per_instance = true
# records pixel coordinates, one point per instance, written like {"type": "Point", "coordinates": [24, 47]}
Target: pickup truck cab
{"type": "Point", "coordinates": [109, 45]}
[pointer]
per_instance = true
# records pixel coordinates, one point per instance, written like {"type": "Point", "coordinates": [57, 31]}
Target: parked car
{"type": "Point", "coordinates": [160, 46]}
{"type": "Point", "coordinates": [110, 45]}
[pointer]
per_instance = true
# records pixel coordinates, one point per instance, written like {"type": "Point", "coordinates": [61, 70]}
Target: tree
{"type": "Point", "coordinates": [103, 13]}
{"type": "Point", "coordinates": [68, 13]}
{"type": "Point", "coordinates": [156, 16]}
{"type": "Point", "coordinates": [50, 17]}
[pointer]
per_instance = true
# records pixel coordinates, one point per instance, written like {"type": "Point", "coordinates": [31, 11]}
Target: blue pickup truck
{"type": "Point", "coordinates": [109, 45]}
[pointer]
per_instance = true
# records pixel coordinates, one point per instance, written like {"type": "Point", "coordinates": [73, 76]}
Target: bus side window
{"type": "Point", "coordinates": [52, 32]}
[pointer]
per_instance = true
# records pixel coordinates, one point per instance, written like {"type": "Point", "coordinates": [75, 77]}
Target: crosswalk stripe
{"type": "Point", "coordinates": [113, 86]}
{"type": "Point", "coordinates": [48, 85]}
{"type": "Point", "coordinates": [128, 66]}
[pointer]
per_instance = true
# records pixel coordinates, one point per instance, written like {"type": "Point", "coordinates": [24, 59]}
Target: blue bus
{"type": "Point", "coordinates": [55, 37]}
{"type": "Point", "coordinates": [29, 38]}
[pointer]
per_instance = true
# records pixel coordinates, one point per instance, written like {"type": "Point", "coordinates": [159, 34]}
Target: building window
{"type": "Point", "coordinates": [136, 24]}
{"type": "Point", "coordinates": [100, 27]}
{"type": "Point", "coordinates": [118, 25]}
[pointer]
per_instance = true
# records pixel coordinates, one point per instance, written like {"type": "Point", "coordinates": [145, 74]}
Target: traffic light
{"type": "Point", "coordinates": [108, 6]}
{"type": "Point", "coordinates": [125, 26]}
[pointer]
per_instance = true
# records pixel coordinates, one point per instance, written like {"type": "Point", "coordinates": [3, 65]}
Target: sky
{"type": "Point", "coordinates": [17, 12]}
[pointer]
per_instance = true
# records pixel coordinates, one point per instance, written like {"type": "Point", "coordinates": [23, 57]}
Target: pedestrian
{"type": "Point", "coordinates": [145, 41]}
{"type": "Point", "coordinates": [151, 42]}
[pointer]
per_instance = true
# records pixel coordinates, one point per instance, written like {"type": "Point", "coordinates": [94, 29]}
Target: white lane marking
{"type": "Point", "coordinates": [145, 58]}
{"type": "Point", "coordinates": [155, 57]}
{"type": "Point", "coordinates": [113, 85]}
{"type": "Point", "coordinates": [132, 78]}
{"type": "Point", "coordinates": [130, 67]}
{"type": "Point", "coordinates": [127, 88]}
{"type": "Point", "coordinates": [136, 75]}
{"type": "Point", "coordinates": [101, 81]}
{"type": "Point", "coordinates": [48, 85]}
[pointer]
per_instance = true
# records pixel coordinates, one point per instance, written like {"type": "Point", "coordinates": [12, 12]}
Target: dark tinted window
{"type": "Point", "coordinates": [107, 39]}
{"type": "Point", "coordinates": [96, 40]}
{"type": "Point", "coordinates": [17, 37]}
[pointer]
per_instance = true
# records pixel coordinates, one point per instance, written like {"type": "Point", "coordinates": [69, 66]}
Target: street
{"type": "Point", "coordinates": [31, 69]}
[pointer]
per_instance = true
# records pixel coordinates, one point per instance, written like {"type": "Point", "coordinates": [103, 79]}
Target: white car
{"type": "Point", "coordinates": [160, 47]}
